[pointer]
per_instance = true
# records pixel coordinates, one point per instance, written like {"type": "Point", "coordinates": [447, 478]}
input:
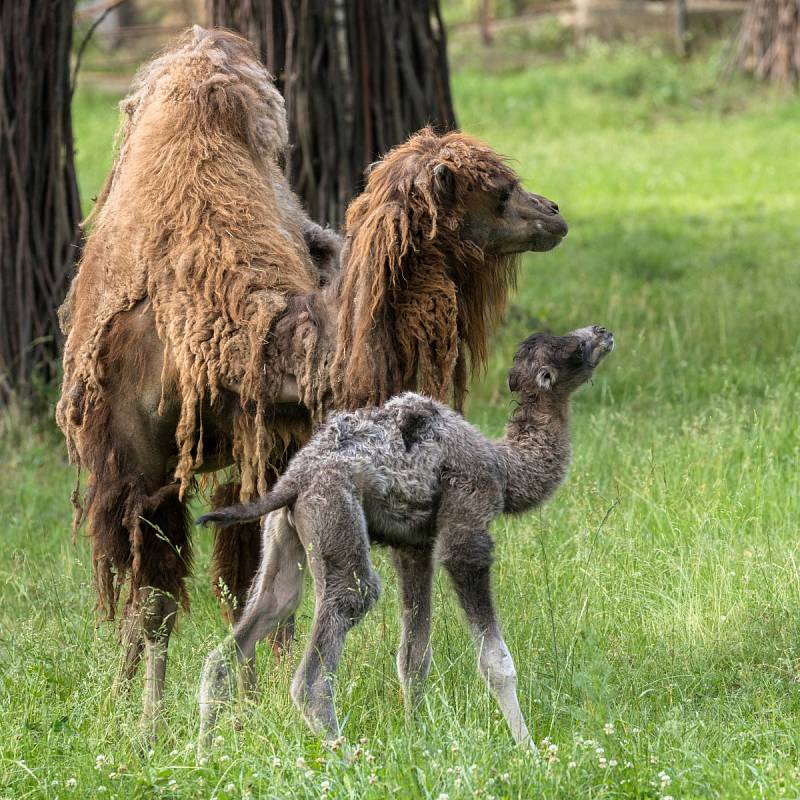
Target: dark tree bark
{"type": "Point", "coordinates": [768, 43]}
{"type": "Point", "coordinates": [681, 28]}
{"type": "Point", "coordinates": [39, 205]}
{"type": "Point", "coordinates": [485, 21]}
{"type": "Point", "coordinates": [358, 76]}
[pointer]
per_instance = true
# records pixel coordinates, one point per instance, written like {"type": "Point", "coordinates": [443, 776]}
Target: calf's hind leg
{"type": "Point", "coordinates": [467, 559]}
{"type": "Point", "coordinates": [274, 596]}
{"type": "Point", "coordinates": [331, 524]}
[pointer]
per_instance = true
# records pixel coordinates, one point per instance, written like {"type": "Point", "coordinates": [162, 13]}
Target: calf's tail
{"type": "Point", "coordinates": [284, 494]}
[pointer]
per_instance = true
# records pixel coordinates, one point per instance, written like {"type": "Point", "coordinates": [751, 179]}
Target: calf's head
{"type": "Point", "coordinates": [555, 366]}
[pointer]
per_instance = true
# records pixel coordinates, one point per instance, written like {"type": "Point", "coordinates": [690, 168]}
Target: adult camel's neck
{"type": "Point", "coordinates": [535, 452]}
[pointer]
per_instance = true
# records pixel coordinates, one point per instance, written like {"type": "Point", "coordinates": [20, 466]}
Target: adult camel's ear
{"type": "Point", "coordinates": [444, 182]}
{"type": "Point", "coordinates": [368, 169]}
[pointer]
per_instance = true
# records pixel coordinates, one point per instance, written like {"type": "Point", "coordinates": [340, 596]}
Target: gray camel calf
{"type": "Point", "coordinates": [414, 475]}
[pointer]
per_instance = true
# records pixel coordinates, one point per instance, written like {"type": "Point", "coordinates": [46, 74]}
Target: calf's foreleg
{"type": "Point", "coordinates": [468, 562]}
{"type": "Point", "coordinates": [415, 572]}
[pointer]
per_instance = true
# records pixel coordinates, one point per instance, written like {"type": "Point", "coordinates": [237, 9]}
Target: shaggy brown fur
{"type": "Point", "coordinates": [416, 294]}
{"type": "Point", "coordinates": [188, 220]}
{"type": "Point", "coordinates": [209, 326]}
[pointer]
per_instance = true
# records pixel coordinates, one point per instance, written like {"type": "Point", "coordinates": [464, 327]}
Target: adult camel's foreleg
{"type": "Point", "coordinates": [275, 594]}
{"type": "Point", "coordinates": [415, 572]}
{"type": "Point", "coordinates": [235, 558]}
{"type": "Point", "coordinates": [235, 562]}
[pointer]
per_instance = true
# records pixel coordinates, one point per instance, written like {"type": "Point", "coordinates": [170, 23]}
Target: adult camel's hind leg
{"type": "Point", "coordinates": [132, 641]}
{"type": "Point", "coordinates": [275, 594]}
{"type": "Point", "coordinates": [111, 539]}
{"type": "Point", "coordinates": [161, 562]}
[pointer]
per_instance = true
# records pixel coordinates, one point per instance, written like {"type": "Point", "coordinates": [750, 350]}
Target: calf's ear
{"type": "Point", "coordinates": [513, 381]}
{"type": "Point", "coordinates": [545, 378]}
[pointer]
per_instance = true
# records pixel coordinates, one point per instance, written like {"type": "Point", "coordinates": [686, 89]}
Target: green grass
{"type": "Point", "coordinates": [658, 593]}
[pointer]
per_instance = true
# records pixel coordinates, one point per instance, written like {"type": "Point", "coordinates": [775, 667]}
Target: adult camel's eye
{"type": "Point", "coordinates": [502, 200]}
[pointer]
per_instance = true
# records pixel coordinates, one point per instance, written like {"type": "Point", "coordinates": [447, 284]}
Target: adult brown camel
{"type": "Point", "coordinates": [211, 323]}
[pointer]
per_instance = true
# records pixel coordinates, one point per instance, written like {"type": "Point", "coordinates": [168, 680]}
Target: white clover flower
{"type": "Point", "coordinates": [325, 786]}
{"type": "Point", "coordinates": [224, 758]}
{"type": "Point", "coordinates": [99, 760]}
{"type": "Point", "coordinates": [443, 796]}
{"type": "Point", "coordinates": [613, 763]}
{"type": "Point", "coordinates": [505, 777]}
{"type": "Point", "coordinates": [218, 741]}
{"type": "Point", "coordinates": [599, 750]}
{"type": "Point", "coordinates": [71, 783]}
{"type": "Point", "coordinates": [572, 765]}
{"type": "Point", "coordinates": [665, 779]}
{"type": "Point", "coordinates": [373, 778]}
{"type": "Point", "coordinates": [609, 728]}
{"type": "Point", "coordinates": [230, 788]}
{"type": "Point", "coordinates": [300, 763]}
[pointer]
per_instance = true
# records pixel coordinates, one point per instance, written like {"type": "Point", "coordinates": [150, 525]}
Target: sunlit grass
{"type": "Point", "coordinates": [651, 608]}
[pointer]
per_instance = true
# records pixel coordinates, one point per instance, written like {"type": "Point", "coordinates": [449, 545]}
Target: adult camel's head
{"type": "Point", "coordinates": [429, 259]}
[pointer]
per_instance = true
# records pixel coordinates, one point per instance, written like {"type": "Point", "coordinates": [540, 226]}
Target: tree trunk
{"type": "Point", "coordinates": [485, 21]}
{"type": "Point", "coordinates": [39, 205]}
{"type": "Point", "coordinates": [358, 76]}
{"type": "Point", "coordinates": [768, 43]}
{"type": "Point", "coordinates": [681, 30]}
